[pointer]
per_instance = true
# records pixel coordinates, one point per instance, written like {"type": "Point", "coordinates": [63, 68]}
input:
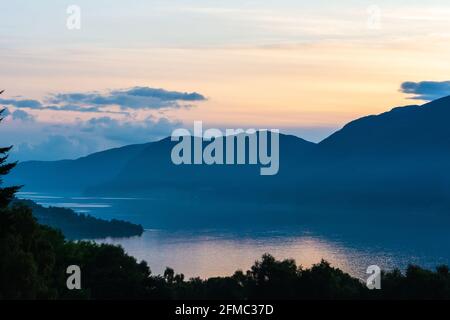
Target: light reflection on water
{"type": "Point", "coordinates": [216, 253]}
{"type": "Point", "coordinates": [74, 205]}
{"type": "Point", "coordinates": [207, 253]}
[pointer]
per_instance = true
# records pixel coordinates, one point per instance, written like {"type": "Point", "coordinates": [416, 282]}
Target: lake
{"type": "Point", "coordinates": [207, 252]}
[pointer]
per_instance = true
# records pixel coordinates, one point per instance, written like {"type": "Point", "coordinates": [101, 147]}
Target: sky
{"type": "Point", "coordinates": [136, 70]}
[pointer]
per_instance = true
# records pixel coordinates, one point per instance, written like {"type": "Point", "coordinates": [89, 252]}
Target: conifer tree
{"type": "Point", "coordinates": [6, 193]}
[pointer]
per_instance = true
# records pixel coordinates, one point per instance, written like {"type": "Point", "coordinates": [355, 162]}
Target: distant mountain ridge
{"type": "Point", "coordinates": [74, 175]}
{"type": "Point", "coordinates": [403, 129]}
{"type": "Point", "coordinates": [399, 159]}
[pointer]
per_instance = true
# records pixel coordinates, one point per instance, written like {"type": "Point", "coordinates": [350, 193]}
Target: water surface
{"type": "Point", "coordinates": [221, 251]}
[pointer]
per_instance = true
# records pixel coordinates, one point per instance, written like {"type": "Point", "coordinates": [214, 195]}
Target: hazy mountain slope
{"type": "Point", "coordinates": [152, 169]}
{"type": "Point", "coordinates": [73, 175]}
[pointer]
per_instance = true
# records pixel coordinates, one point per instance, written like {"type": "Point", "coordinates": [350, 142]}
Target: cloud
{"type": "Point", "coordinates": [39, 141]}
{"type": "Point", "coordinates": [22, 115]}
{"type": "Point", "coordinates": [136, 98]}
{"type": "Point", "coordinates": [32, 104]}
{"type": "Point", "coordinates": [127, 132]}
{"type": "Point", "coordinates": [17, 115]}
{"type": "Point", "coordinates": [426, 90]}
{"type": "Point", "coordinates": [164, 94]}
{"type": "Point", "coordinates": [54, 147]}
{"type": "Point", "coordinates": [78, 108]}
{"type": "Point", "coordinates": [37, 105]}
{"type": "Point", "coordinates": [116, 118]}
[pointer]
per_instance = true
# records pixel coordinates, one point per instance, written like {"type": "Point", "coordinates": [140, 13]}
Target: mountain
{"type": "Point", "coordinates": [392, 165]}
{"type": "Point", "coordinates": [74, 175]}
{"type": "Point", "coordinates": [153, 169]}
{"type": "Point", "coordinates": [400, 157]}
{"type": "Point", "coordinates": [141, 168]}
{"type": "Point", "coordinates": [403, 130]}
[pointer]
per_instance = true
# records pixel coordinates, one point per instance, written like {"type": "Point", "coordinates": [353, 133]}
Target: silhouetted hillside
{"type": "Point", "coordinates": [401, 131]}
{"type": "Point", "coordinates": [81, 226]}
{"type": "Point", "coordinates": [153, 169]}
{"type": "Point", "coordinates": [398, 159]}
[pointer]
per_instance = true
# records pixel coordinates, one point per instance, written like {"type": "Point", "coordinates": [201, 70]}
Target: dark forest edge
{"type": "Point", "coordinates": [81, 226]}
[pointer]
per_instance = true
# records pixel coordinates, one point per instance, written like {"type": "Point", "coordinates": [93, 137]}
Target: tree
{"type": "Point", "coordinates": [26, 254]}
{"type": "Point", "coordinates": [6, 193]}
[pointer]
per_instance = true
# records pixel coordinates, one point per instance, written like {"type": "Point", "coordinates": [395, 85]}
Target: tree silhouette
{"type": "Point", "coordinates": [7, 193]}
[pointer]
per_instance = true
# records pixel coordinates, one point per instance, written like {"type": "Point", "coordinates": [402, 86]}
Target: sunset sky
{"type": "Point", "coordinates": [304, 67]}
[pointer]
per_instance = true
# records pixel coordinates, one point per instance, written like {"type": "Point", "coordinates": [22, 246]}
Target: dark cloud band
{"type": "Point", "coordinates": [426, 90]}
{"type": "Point", "coordinates": [136, 98]}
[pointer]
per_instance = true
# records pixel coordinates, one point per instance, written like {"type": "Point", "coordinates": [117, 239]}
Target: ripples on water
{"type": "Point", "coordinates": [218, 253]}
{"type": "Point", "coordinates": [207, 253]}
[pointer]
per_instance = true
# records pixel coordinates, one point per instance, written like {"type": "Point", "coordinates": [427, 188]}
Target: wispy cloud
{"type": "Point", "coordinates": [134, 98]}
{"type": "Point", "coordinates": [18, 103]}
{"type": "Point", "coordinates": [22, 115]}
{"type": "Point", "coordinates": [426, 90]}
{"type": "Point", "coordinates": [137, 98]}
